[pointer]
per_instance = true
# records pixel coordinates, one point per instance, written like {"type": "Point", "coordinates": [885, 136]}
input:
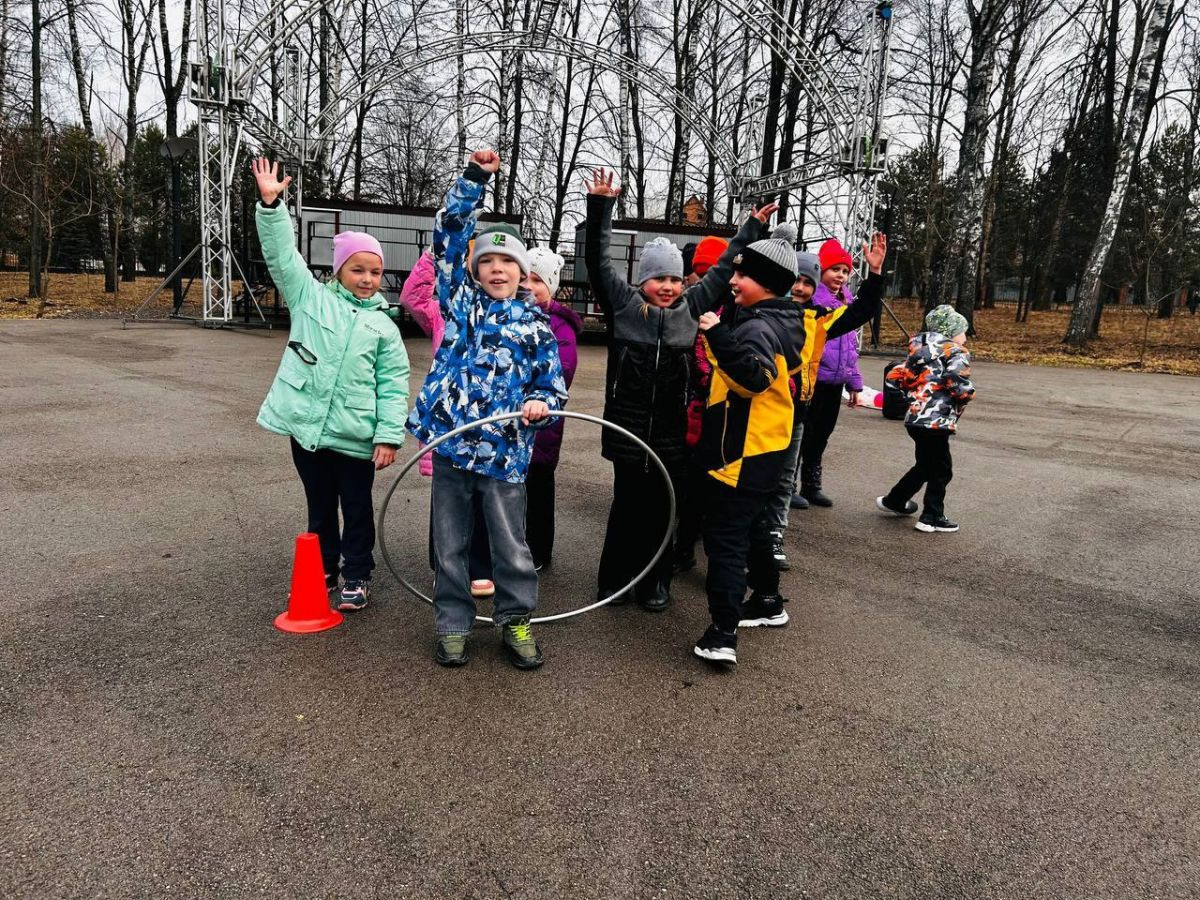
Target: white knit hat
{"type": "Point", "coordinates": [547, 265]}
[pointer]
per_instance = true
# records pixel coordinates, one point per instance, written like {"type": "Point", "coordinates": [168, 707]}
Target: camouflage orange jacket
{"type": "Point", "coordinates": [937, 378]}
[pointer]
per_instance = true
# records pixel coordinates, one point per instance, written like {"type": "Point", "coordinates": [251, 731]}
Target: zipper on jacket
{"type": "Point", "coordinates": [654, 387]}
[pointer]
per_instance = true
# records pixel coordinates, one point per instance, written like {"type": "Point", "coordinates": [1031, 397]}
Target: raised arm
{"type": "Point", "coordinates": [454, 224]}
{"type": "Point", "coordinates": [870, 292]}
{"type": "Point", "coordinates": [288, 268]}
{"type": "Point", "coordinates": [610, 290]}
{"type": "Point", "coordinates": [713, 288]}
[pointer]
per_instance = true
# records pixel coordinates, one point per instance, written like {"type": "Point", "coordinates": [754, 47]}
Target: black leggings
{"type": "Point", "coordinates": [331, 478]}
{"type": "Point", "coordinates": [819, 423]}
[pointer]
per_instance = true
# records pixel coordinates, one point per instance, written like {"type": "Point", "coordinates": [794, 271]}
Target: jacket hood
{"type": "Point", "coordinates": [568, 315]}
{"type": "Point", "coordinates": [935, 340]}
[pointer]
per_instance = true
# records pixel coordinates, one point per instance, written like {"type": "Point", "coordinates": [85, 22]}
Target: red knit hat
{"type": "Point", "coordinates": [708, 251]}
{"type": "Point", "coordinates": [832, 253]}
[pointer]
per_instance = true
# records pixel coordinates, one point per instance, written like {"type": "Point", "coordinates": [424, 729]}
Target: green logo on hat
{"type": "Point", "coordinates": [499, 238]}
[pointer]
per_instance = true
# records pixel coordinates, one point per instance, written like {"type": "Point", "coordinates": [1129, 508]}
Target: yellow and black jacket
{"type": "Point", "coordinates": [823, 323]}
{"type": "Point", "coordinates": [748, 422]}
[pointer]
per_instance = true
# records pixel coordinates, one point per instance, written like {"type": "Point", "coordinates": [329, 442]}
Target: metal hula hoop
{"type": "Point", "coordinates": [502, 417]}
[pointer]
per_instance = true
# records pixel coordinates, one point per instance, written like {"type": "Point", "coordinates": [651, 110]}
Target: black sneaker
{"type": "Point", "coordinates": [909, 508]}
{"type": "Point", "coordinates": [936, 523]}
{"type": "Point", "coordinates": [717, 646]}
{"type": "Point", "coordinates": [354, 595]}
{"type": "Point", "coordinates": [764, 609]}
{"type": "Point", "coordinates": [798, 502]}
{"type": "Point", "coordinates": [451, 650]}
{"type": "Point", "coordinates": [777, 555]}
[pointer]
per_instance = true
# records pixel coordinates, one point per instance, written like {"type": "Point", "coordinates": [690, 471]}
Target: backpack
{"type": "Point", "coordinates": [895, 402]}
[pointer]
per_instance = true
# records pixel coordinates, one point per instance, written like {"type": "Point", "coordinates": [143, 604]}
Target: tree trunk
{"type": "Point", "coordinates": [36, 197]}
{"type": "Point", "coordinates": [1087, 300]}
{"type": "Point", "coordinates": [959, 271]}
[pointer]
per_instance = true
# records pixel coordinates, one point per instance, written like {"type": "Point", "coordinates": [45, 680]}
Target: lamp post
{"type": "Point", "coordinates": [174, 149]}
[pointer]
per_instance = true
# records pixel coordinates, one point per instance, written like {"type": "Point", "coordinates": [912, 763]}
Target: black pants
{"type": "Point", "coordinates": [637, 521]}
{"type": "Point", "coordinates": [933, 468]}
{"type": "Point", "coordinates": [731, 546]}
{"type": "Point", "coordinates": [329, 478]}
{"type": "Point", "coordinates": [689, 505]}
{"type": "Point", "coordinates": [819, 422]}
{"type": "Point", "coordinates": [539, 512]}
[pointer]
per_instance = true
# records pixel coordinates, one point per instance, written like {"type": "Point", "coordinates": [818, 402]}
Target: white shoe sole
{"type": "Point", "coordinates": [351, 607]}
{"type": "Point", "coordinates": [887, 510]}
{"type": "Point", "coordinates": [482, 592]}
{"type": "Point", "coordinates": [717, 656]}
{"type": "Point", "coordinates": [930, 529]}
{"type": "Point", "coordinates": [776, 621]}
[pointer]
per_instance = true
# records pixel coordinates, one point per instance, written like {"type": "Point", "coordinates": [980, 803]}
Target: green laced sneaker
{"type": "Point", "coordinates": [451, 650]}
{"type": "Point", "coordinates": [523, 651]}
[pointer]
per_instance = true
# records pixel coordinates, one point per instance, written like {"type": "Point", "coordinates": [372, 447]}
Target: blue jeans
{"type": "Point", "coordinates": [453, 512]}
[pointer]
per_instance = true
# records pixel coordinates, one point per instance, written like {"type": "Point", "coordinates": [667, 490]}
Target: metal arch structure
{"type": "Point", "coordinates": [227, 69]}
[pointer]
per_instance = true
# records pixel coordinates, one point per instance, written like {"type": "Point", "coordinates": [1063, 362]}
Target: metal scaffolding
{"type": "Point", "coordinates": [234, 67]}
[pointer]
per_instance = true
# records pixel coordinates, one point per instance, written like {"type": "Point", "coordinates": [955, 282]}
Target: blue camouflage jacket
{"type": "Point", "coordinates": [494, 356]}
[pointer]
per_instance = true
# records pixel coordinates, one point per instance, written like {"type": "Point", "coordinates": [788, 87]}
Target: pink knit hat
{"type": "Point", "coordinates": [347, 243]}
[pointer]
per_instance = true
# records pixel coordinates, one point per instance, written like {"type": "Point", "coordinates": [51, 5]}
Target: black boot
{"type": "Point", "coordinates": [657, 595]}
{"type": "Point", "coordinates": [810, 486]}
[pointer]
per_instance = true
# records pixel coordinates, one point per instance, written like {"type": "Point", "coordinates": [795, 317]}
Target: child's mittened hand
{"type": "Point", "coordinates": [764, 213]}
{"type": "Point", "coordinates": [488, 160]}
{"type": "Point", "coordinates": [534, 411]}
{"type": "Point", "coordinates": [708, 320]}
{"type": "Point", "coordinates": [385, 455]}
{"type": "Point", "coordinates": [602, 183]}
{"type": "Point", "coordinates": [266, 176]}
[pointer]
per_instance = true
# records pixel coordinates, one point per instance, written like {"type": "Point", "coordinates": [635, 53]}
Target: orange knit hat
{"type": "Point", "coordinates": [708, 251]}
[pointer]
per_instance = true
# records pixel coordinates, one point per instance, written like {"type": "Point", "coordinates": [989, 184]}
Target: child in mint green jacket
{"type": "Point", "coordinates": [341, 392]}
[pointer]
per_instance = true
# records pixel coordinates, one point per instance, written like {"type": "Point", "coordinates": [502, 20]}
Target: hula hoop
{"type": "Point", "coordinates": [502, 417]}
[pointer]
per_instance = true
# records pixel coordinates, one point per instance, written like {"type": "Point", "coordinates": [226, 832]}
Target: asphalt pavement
{"type": "Point", "coordinates": [1010, 711]}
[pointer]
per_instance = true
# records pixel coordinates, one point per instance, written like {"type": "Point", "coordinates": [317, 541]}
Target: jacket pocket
{"type": "Point", "coordinates": [361, 400]}
{"type": "Point", "coordinates": [292, 374]}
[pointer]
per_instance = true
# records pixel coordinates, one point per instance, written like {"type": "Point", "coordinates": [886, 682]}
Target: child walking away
{"type": "Point", "coordinates": [341, 391]}
{"type": "Point", "coordinates": [937, 379]}
{"type": "Point", "coordinates": [545, 269]}
{"type": "Point", "coordinates": [652, 328]}
{"type": "Point", "coordinates": [498, 355]}
{"type": "Point", "coordinates": [838, 369]}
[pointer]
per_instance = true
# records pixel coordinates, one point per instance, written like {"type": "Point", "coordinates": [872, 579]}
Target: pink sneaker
{"type": "Point", "coordinates": [482, 587]}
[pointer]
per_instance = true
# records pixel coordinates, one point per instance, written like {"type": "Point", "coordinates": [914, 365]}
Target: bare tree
{"type": "Point", "coordinates": [1082, 323]}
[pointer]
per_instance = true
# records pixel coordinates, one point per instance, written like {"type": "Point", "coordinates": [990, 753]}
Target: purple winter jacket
{"type": "Point", "coordinates": [566, 324]}
{"type": "Point", "coordinates": [839, 361]}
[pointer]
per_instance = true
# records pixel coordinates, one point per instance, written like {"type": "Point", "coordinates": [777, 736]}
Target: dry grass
{"type": "Point", "coordinates": [83, 297]}
{"type": "Point", "coordinates": [1172, 346]}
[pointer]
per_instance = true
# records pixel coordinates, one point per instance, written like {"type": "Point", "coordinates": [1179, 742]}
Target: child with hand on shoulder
{"type": "Point", "coordinates": [498, 355]}
{"type": "Point", "coordinates": [652, 331]}
{"type": "Point", "coordinates": [341, 391]}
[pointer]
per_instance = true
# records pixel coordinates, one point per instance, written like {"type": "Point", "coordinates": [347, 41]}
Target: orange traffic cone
{"type": "Point", "coordinates": [308, 604]}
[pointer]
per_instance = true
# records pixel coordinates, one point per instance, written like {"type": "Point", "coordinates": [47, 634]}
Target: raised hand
{"type": "Point", "coordinates": [266, 176]}
{"type": "Point", "coordinates": [602, 183]}
{"type": "Point", "coordinates": [764, 213]}
{"type": "Point", "coordinates": [488, 160]}
{"type": "Point", "coordinates": [875, 252]}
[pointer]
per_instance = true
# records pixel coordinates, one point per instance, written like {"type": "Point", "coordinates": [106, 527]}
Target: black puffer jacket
{"type": "Point", "coordinates": [649, 348]}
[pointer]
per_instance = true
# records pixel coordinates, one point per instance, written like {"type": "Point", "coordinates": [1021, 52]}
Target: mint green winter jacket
{"type": "Point", "coordinates": [352, 392]}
